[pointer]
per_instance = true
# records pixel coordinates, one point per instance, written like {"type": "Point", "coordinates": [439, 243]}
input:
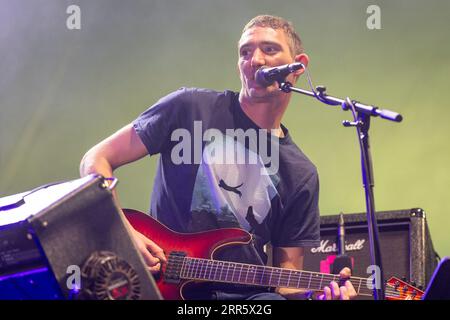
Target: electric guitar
{"type": "Point", "coordinates": [190, 261]}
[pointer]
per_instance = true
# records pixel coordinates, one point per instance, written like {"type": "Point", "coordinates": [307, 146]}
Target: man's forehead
{"type": "Point", "coordinates": [265, 34]}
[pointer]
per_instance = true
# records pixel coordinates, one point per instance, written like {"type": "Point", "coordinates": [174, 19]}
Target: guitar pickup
{"type": "Point", "coordinates": [172, 273]}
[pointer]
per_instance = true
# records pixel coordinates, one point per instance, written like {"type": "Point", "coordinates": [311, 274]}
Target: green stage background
{"type": "Point", "coordinates": [61, 90]}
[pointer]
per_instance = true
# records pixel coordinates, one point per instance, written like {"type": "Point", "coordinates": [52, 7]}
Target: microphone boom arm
{"type": "Point", "coordinates": [333, 101]}
{"type": "Point", "coordinates": [362, 114]}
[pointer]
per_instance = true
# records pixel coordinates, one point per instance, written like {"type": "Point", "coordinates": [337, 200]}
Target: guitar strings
{"type": "Point", "coordinates": [193, 272]}
{"type": "Point", "coordinates": [213, 266]}
{"type": "Point", "coordinates": [388, 290]}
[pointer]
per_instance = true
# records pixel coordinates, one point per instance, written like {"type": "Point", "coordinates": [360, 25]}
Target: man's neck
{"type": "Point", "coordinates": [266, 114]}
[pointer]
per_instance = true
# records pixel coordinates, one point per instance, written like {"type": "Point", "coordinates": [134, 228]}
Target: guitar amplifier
{"type": "Point", "coordinates": [69, 241]}
{"type": "Point", "coordinates": [406, 247]}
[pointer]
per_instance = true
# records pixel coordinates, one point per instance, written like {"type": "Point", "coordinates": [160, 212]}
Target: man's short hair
{"type": "Point", "coordinates": [274, 22]}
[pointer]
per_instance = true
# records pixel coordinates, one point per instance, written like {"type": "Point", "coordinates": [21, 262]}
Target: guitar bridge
{"type": "Point", "coordinates": [173, 268]}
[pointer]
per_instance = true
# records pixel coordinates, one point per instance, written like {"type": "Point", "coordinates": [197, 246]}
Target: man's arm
{"type": "Point", "coordinates": [289, 258]}
{"type": "Point", "coordinates": [121, 148]}
{"type": "Point", "coordinates": [292, 258]}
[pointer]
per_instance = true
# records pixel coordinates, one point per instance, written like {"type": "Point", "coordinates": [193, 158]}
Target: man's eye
{"type": "Point", "coordinates": [244, 53]}
{"type": "Point", "coordinates": [270, 49]}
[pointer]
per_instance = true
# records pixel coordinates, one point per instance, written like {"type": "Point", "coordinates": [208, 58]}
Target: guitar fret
{"type": "Point", "coordinates": [246, 274]}
{"type": "Point", "coordinates": [299, 278]}
{"type": "Point", "coordinates": [233, 273]}
{"type": "Point", "coordinates": [228, 269]}
{"type": "Point", "coordinates": [188, 271]}
{"type": "Point", "coordinates": [221, 270]}
{"type": "Point", "coordinates": [183, 268]}
{"type": "Point", "coordinates": [262, 275]}
{"type": "Point", "coordinates": [252, 269]}
{"type": "Point", "coordinates": [249, 269]}
{"type": "Point", "coordinates": [316, 276]}
{"type": "Point", "coordinates": [320, 285]}
{"type": "Point", "coordinates": [240, 272]}
{"type": "Point", "coordinates": [255, 270]}
{"type": "Point", "coordinates": [309, 283]}
{"type": "Point", "coordinates": [194, 268]}
{"type": "Point", "coordinates": [207, 269]}
{"type": "Point", "coordinates": [215, 265]}
{"type": "Point", "coordinates": [282, 280]}
{"type": "Point", "coordinates": [289, 278]}
{"type": "Point", "coordinates": [210, 268]}
{"type": "Point", "coordinates": [295, 278]}
{"type": "Point", "coordinates": [218, 268]}
{"type": "Point", "coordinates": [198, 266]}
{"type": "Point", "coordinates": [189, 267]}
{"type": "Point", "coordinates": [305, 282]}
{"type": "Point", "coordinates": [288, 273]}
{"type": "Point", "coordinates": [186, 268]}
{"type": "Point", "coordinates": [199, 271]}
{"type": "Point", "coordinates": [279, 276]}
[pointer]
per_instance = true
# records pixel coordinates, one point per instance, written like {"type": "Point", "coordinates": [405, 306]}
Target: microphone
{"type": "Point", "coordinates": [342, 260]}
{"type": "Point", "coordinates": [266, 76]}
{"type": "Point", "coordinates": [341, 234]}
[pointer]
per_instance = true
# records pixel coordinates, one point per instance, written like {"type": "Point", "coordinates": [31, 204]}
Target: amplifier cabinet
{"type": "Point", "coordinates": [65, 230]}
{"type": "Point", "coordinates": [406, 247]}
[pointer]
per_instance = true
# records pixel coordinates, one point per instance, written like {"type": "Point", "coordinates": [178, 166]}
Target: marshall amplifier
{"type": "Point", "coordinates": [69, 241]}
{"type": "Point", "coordinates": [406, 247]}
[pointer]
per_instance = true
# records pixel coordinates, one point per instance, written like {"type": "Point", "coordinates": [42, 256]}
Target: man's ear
{"type": "Point", "coordinates": [304, 59]}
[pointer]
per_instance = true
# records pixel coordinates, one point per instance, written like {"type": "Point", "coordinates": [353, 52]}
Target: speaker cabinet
{"type": "Point", "coordinates": [82, 235]}
{"type": "Point", "coordinates": [406, 247]}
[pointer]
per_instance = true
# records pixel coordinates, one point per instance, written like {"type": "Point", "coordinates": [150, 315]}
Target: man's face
{"type": "Point", "coordinates": [260, 46]}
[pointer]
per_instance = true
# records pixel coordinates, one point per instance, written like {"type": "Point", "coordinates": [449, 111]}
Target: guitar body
{"type": "Point", "coordinates": [198, 245]}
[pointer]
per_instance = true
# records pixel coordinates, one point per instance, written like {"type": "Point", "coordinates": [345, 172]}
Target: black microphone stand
{"type": "Point", "coordinates": [362, 114]}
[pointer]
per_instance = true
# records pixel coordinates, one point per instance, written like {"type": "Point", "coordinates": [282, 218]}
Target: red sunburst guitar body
{"type": "Point", "coordinates": [199, 245]}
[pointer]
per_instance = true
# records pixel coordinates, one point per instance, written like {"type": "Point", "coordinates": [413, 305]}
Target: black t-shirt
{"type": "Point", "coordinates": [208, 177]}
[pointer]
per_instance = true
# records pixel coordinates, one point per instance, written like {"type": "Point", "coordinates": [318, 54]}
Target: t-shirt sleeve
{"type": "Point", "coordinates": [156, 125]}
{"type": "Point", "coordinates": [300, 224]}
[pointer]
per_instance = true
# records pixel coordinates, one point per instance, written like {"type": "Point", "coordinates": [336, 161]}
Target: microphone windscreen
{"type": "Point", "coordinates": [261, 79]}
{"type": "Point", "coordinates": [341, 262]}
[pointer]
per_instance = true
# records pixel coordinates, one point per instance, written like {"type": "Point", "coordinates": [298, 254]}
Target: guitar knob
{"type": "Point", "coordinates": [413, 284]}
{"type": "Point", "coordinates": [420, 288]}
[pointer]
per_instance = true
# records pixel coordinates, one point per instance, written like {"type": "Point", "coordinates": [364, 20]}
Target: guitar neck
{"type": "Point", "coordinates": [247, 274]}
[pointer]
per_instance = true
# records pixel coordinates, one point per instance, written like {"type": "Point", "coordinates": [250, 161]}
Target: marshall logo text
{"type": "Point", "coordinates": [326, 247]}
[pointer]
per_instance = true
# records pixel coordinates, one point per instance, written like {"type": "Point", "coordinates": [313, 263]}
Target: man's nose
{"type": "Point", "coordinates": [258, 59]}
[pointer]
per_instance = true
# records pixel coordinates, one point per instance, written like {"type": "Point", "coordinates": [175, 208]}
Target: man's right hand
{"type": "Point", "coordinates": [153, 255]}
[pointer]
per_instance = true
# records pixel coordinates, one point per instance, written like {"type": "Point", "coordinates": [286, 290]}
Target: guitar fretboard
{"type": "Point", "coordinates": [240, 273]}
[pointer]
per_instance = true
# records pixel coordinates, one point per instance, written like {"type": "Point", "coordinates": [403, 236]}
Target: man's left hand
{"type": "Point", "coordinates": [334, 292]}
